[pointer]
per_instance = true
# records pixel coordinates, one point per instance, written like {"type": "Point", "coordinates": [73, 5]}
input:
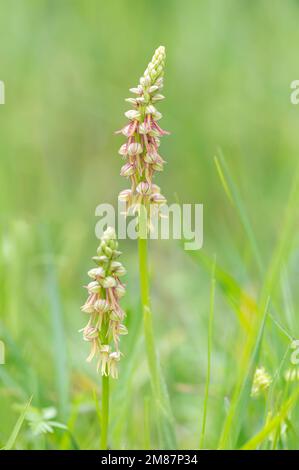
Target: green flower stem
{"type": "Point", "coordinates": [164, 419]}
{"type": "Point", "coordinates": [105, 412]}
{"type": "Point", "coordinates": [105, 394]}
{"type": "Point", "coordinates": [147, 316]}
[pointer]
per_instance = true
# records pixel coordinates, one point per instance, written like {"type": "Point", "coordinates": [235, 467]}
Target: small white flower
{"type": "Point", "coordinates": [125, 195]}
{"type": "Point", "coordinates": [150, 109]}
{"type": "Point", "coordinates": [113, 360]}
{"type": "Point", "coordinates": [104, 358]}
{"type": "Point", "coordinates": [137, 90]}
{"type": "Point", "coordinates": [101, 306]}
{"type": "Point", "coordinates": [108, 282]}
{"type": "Point", "coordinates": [94, 287]}
{"type": "Point", "coordinates": [158, 97]}
{"type": "Point", "coordinates": [117, 268]}
{"type": "Point", "coordinates": [120, 290]}
{"type": "Point", "coordinates": [96, 273]}
{"type": "Point", "coordinates": [132, 114]}
{"type": "Point", "coordinates": [131, 100]}
{"type": "Point", "coordinates": [153, 88]}
{"type": "Point", "coordinates": [123, 150]}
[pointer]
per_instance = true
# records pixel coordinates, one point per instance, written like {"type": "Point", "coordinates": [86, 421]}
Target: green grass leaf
{"type": "Point", "coordinates": [234, 196]}
{"type": "Point", "coordinates": [15, 432]}
{"type": "Point", "coordinates": [272, 425]}
{"type": "Point", "coordinates": [238, 406]}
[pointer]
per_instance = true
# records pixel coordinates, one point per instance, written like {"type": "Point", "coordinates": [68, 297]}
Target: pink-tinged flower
{"type": "Point", "coordinates": [125, 195]}
{"type": "Point", "coordinates": [128, 169]}
{"type": "Point", "coordinates": [144, 188]}
{"type": "Point", "coordinates": [134, 148]}
{"type": "Point", "coordinates": [90, 333]}
{"type": "Point", "coordinates": [101, 306]}
{"type": "Point", "coordinates": [157, 198]}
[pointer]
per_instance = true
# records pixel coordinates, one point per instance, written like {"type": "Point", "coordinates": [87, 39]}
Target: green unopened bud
{"type": "Point", "coordinates": [108, 252]}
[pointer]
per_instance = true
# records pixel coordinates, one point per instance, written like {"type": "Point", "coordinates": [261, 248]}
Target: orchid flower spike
{"type": "Point", "coordinates": [105, 323]}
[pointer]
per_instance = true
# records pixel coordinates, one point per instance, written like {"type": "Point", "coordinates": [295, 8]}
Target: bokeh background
{"type": "Point", "coordinates": [67, 67]}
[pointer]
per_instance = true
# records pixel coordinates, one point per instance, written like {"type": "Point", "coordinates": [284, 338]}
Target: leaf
{"type": "Point", "coordinates": [15, 432]}
{"type": "Point", "coordinates": [273, 423]}
{"type": "Point", "coordinates": [241, 394]}
{"type": "Point", "coordinates": [234, 195]}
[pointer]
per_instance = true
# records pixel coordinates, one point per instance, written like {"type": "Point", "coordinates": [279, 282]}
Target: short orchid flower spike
{"type": "Point", "coordinates": [105, 323]}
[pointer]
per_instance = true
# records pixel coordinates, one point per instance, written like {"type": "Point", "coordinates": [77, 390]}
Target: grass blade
{"type": "Point", "coordinates": [234, 196]}
{"type": "Point", "coordinates": [15, 432]}
{"type": "Point", "coordinates": [231, 428]}
{"type": "Point", "coordinates": [273, 423]}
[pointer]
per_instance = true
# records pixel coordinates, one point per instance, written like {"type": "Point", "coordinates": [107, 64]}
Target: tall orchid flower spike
{"type": "Point", "coordinates": [141, 151]}
{"type": "Point", "coordinates": [105, 324]}
{"type": "Point", "coordinates": [142, 160]}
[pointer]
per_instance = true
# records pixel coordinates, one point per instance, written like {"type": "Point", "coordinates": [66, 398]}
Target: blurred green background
{"type": "Point", "coordinates": [67, 67]}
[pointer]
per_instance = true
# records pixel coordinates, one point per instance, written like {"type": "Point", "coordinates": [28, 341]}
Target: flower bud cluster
{"type": "Point", "coordinates": [261, 382]}
{"type": "Point", "coordinates": [141, 151]}
{"type": "Point", "coordinates": [105, 324]}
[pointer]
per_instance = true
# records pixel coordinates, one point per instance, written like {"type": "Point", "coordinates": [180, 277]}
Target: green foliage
{"type": "Point", "coordinates": [66, 68]}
